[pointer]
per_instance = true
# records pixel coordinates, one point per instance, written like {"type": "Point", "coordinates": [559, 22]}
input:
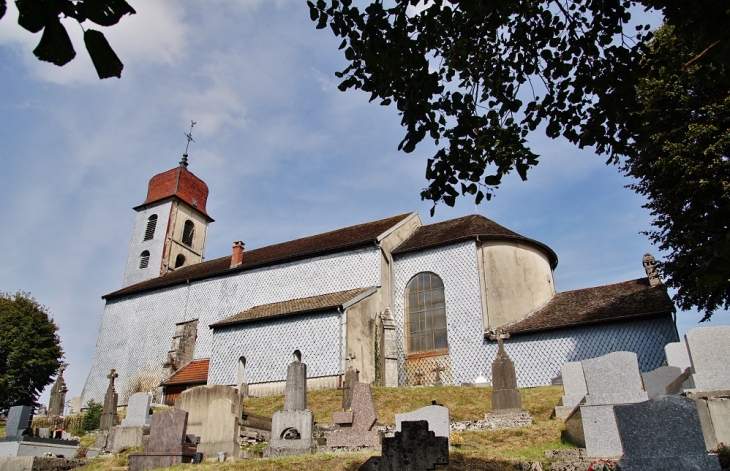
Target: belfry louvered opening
{"type": "Point", "coordinates": [188, 233]}
{"type": "Point", "coordinates": [149, 232]}
{"type": "Point", "coordinates": [144, 259]}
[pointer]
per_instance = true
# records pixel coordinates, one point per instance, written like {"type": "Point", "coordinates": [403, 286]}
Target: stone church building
{"type": "Point", "coordinates": [403, 302]}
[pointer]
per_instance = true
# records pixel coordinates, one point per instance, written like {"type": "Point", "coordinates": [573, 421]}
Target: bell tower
{"type": "Point", "coordinates": [171, 225]}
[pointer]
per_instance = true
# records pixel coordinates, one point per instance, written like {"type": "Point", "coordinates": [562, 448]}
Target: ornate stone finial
{"type": "Point", "coordinates": [62, 368]}
{"type": "Point", "coordinates": [189, 136]}
{"type": "Point", "coordinates": [649, 263]}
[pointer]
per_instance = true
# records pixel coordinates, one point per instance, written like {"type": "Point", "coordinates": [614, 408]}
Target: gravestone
{"type": "Point", "coordinates": [414, 448]}
{"type": "Point", "coordinates": [76, 405]}
{"type": "Point", "coordinates": [657, 381]}
{"type": "Point", "coordinates": [437, 417]}
{"type": "Point", "coordinates": [709, 350]}
{"type": "Point", "coordinates": [663, 434]}
{"type": "Point", "coordinates": [574, 388]}
{"type": "Point", "coordinates": [357, 425]}
{"type": "Point", "coordinates": [677, 355]}
{"type": "Point", "coordinates": [352, 377]}
{"type": "Point", "coordinates": [57, 400]}
{"type": "Point", "coordinates": [291, 429]}
{"type": "Point", "coordinates": [138, 410]}
{"type": "Point", "coordinates": [19, 419]}
{"type": "Point", "coordinates": [168, 444]}
{"type": "Point", "coordinates": [109, 416]}
{"type": "Point", "coordinates": [505, 396]}
{"type": "Point", "coordinates": [220, 426]}
{"type": "Point", "coordinates": [610, 379]}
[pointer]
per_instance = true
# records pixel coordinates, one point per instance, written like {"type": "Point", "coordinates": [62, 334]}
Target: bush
{"type": "Point", "coordinates": [92, 416]}
{"type": "Point", "coordinates": [723, 454]}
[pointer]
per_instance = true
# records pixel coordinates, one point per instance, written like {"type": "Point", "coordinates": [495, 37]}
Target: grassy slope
{"type": "Point", "coordinates": [484, 450]}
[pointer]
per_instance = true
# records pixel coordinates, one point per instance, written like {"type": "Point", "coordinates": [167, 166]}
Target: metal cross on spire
{"type": "Point", "coordinates": [189, 136]}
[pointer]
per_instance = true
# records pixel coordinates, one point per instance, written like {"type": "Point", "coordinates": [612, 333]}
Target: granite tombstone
{"type": "Point", "coordinates": [437, 417]}
{"type": "Point", "coordinates": [168, 444]}
{"type": "Point", "coordinates": [356, 426]}
{"type": "Point", "coordinates": [414, 448]}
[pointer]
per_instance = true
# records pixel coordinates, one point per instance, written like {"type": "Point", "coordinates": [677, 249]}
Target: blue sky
{"type": "Point", "coordinates": [285, 155]}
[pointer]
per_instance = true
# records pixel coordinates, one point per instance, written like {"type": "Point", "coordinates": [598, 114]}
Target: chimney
{"type": "Point", "coordinates": [237, 257]}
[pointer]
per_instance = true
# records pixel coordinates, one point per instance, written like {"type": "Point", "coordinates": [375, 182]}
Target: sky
{"type": "Point", "coordinates": [284, 153]}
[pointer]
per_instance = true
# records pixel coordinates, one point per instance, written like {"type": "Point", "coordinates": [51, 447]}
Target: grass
{"type": "Point", "coordinates": [2, 430]}
{"type": "Point", "coordinates": [489, 450]}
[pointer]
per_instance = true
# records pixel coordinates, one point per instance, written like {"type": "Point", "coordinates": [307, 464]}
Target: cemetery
{"type": "Point", "coordinates": [676, 417]}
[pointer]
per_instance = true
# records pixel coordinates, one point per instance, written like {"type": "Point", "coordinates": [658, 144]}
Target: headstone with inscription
{"type": "Point", "coordinates": [414, 448]}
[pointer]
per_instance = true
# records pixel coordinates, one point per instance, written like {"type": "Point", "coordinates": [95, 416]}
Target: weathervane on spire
{"type": "Point", "coordinates": [189, 136]}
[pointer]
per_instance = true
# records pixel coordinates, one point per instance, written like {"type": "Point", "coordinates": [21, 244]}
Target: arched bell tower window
{"type": "Point", "coordinates": [144, 259]}
{"type": "Point", "coordinates": [149, 232]}
{"type": "Point", "coordinates": [425, 320]}
{"type": "Point", "coordinates": [179, 260]}
{"type": "Point", "coordinates": [188, 233]}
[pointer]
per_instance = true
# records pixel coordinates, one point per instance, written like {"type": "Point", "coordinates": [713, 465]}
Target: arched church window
{"type": "Point", "coordinates": [425, 321]}
{"type": "Point", "coordinates": [149, 232]}
{"type": "Point", "coordinates": [188, 233]}
{"type": "Point", "coordinates": [144, 259]}
{"type": "Point", "coordinates": [179, 260]}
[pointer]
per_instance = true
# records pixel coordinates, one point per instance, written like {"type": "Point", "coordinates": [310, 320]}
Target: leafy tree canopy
{"type": "Point", "coordinates": [30, 350]}
{"type": "Point", "coordinates": [478, 76]}
{"type": "Point", "coordinates": [681, 132]}
{"type": "Point", "coordinates": [55, 45]}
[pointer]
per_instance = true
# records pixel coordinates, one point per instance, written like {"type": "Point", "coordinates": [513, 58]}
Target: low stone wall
{"type": "Point", "coordinates": [38, 463]}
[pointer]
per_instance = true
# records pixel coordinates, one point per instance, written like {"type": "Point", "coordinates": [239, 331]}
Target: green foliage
{"type": "Point", "coordinates": [92, 416]}
{"type": "Point", "coordinates": [55, 45]}
{"type": "Point", "coordinates": [682, 165]}
{"type": "Point", "coordinates": [723, 454]}
{"type": "Point", "coordinates": [30, 350]}
{"type": "Point", "coordinates": [477, 77]}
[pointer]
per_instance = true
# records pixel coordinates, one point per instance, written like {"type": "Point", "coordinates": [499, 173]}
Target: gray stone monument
{"type": "Point", "coordinates": [356, 426]}
{"type": "Point", "coordinates": [414, 448]}
{"type": "Point", "coordinates": [291, 429]}
{"type": "Point", "coordinates": [574, 388]}
{"type": "Point", "coordinates": [611, 379]}
{"type": "Point", "coordinates": [709, 350]}
{"type": "Point", "coordinates": [437, 417]}
{"type": "Point", "coordinates": [138, 410]}
{"type": "Point", "coordinates": [168, 444]}
{"type": "Point", "coordinates": [19, 418]}
{"type": "Point", "coordinates": [505, 396]}
{"type": "Point", "coordinates": [76, 405]}
{"type": "Point", "coordinates": [57, 400]}
{"type": "Point", "coordinates": [109, 417]}
{"type": "Point", "coordinates": [663, 434]}
{"type": "Point", "coordinates": [657, 381]}
{"type": "Point", "coordinates": [677, 355]}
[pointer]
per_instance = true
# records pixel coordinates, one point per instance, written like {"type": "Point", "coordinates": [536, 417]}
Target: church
{"type": "Point", "coordinates": [405, 303]}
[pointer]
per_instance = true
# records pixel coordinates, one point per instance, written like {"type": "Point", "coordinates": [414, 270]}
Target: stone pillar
{"type": "Point", "coordinates": [109, 416]}
{"type": "Point", "coordinates": [390, 350]}
{"type": "Point", "coordinates": [505, 396]}
{"type": "Point", "coordinates": [58, 395]}
{"type": "Point", "coordinates": [352, 377]}
{"type": "Point", "coordinates": [295, 395]}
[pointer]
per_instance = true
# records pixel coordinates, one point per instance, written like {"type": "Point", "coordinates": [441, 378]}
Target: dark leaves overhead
{"type": "Point", "coordinates": [55, 45]}
{"type": "Point", "coordinates": [3, 8]}
{"type": "Point", "coordinates": [106, 62]}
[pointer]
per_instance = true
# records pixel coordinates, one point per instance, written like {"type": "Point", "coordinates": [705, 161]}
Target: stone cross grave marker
{"type": "Point", "coordinates": [109, 416]}
{"type": "Point", "coordinates": [414, 448]}
{"type": "Point", "coordinates": [505, 396]}
{"type": "Point", "coordinates": [437, 417]}
{"type": "Point", "coordinates": [663, 434]}
{"type": "Point", "coordinates": [138, 410]}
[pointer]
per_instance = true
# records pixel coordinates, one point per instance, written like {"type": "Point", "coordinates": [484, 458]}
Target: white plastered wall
{"type": "Point", "coordinates": [136, 331]}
